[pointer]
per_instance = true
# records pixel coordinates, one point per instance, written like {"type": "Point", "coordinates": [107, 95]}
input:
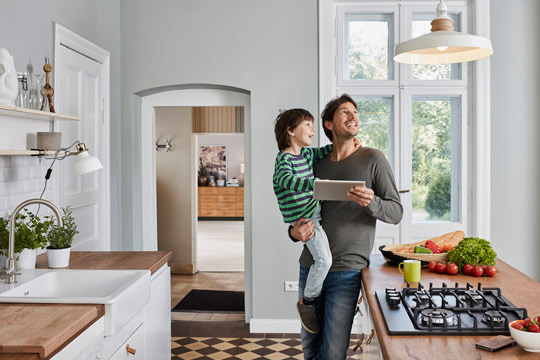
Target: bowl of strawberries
{"type": "Point", "coordinates": [526, 333]}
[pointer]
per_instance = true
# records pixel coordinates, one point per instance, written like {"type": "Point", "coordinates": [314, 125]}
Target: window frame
{"type": "Point", "coordinates": [476, 78]}
{"type": "Point", "coordinates": [340, 61]}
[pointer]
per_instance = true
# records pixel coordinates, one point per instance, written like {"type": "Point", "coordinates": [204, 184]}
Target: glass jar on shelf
{"type": "Point", "coordinates": [22, 96]}
{"type": "Point", "coordinates": [35, 99]}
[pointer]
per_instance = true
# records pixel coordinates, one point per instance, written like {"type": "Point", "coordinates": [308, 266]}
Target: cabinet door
{"type": "Point", "coordinates": [157, 316]}
{"type": "Point", "coordinates": [133, 348]}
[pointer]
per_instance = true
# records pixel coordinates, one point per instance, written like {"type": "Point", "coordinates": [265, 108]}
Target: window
{"type": "Point", "coordinates": [417, 115]}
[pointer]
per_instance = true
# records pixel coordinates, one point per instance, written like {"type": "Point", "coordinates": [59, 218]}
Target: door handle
{"type": "Point", "coordinates": [403, 191]}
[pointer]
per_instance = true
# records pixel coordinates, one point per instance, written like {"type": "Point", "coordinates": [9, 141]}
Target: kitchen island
{"type": "Point", "coordinates": [40, 331]}
{"type": "Point", "coordinates": [518, 288]}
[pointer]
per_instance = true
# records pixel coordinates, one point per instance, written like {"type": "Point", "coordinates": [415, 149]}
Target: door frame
{"type": "Point", "coordinates": [145, 177]}
{"type": "Point", "coordinates": [69, 39]}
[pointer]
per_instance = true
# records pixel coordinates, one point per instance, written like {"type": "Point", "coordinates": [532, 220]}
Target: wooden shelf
{"type": "Point", "coordinates": [34, 114]}
{"type": "Point", "coordinates": [28, 152]}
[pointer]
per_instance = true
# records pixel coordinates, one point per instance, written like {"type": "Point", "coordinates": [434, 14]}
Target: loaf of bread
{"type": "Point", "coordinates": [452, 239]}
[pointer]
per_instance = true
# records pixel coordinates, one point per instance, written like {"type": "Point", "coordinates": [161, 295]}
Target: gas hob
{"type": "Point", "coordinates": [447, 310]}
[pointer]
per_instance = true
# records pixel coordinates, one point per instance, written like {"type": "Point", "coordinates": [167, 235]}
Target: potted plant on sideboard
{"type": "Point", "coordinates": [202, 180]}
{"type": "Point", "coordinates": [60, 239]}
{"type": "Point", "coordinates": [30, 235]}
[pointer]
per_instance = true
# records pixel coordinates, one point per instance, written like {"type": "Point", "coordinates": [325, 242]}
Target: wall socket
{"type": "Point", "coordinates": [291, 285]}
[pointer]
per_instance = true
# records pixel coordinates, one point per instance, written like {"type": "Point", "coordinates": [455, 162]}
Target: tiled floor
{"type": "Point", "coordinates": [216, 336]}
{"type": "Point", "coordinates": [226, 336]}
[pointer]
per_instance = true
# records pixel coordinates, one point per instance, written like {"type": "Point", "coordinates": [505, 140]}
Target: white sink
{"type": "Point", "coordinates": [123, 292]}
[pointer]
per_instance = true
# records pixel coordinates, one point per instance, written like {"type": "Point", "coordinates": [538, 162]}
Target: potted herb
{"type": "Point", "coordinates": [30, 235]}
{"type": "Point", "coordinates": [60, 239]}
{"type": "Point", "coordinates": [202, 180]}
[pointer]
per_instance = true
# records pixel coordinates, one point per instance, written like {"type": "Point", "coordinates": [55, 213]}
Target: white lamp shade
{"type": "Point", "coordinates": [443, 47]}
{"type": "Point", "coordinates": [241, 168]}
{"type": "Point", "coordinates": [86, 164]}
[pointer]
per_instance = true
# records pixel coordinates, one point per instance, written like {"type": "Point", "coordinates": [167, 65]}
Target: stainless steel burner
{"type": "Point", "coordinates": [473, 295]}
{"type": "Point", "coordinates": [498, 319]}
{"type": "Point", "coordinates": [438, 317]}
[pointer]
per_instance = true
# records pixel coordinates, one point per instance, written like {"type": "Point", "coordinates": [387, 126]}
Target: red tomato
{"type": "Point", "coordinates": [490, 271]}
{"type": "Point", "coordinates": [467, 268]}
{"type": "Point", "coordinates": [447, 248]}
{"type": "Point", "coordinates": [534, 328]}
{"type": "Point", "coordinates": [441, 268]}
{"type": "Point", "coordinates": [432, 265]}
{"type": "Point", "coordinates": [452, 269]}
{"type": "Point", "coordinates": [477, 271]}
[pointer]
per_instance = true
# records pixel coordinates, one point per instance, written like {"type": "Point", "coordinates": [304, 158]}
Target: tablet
{"type": "Point", "coordinates": [335, 190]}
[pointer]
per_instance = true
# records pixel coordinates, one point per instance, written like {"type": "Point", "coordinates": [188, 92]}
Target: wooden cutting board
{"type": "Point", "coordinates": [43, 328]}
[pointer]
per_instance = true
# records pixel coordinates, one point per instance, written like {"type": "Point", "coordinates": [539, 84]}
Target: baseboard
{"type": "Point", "coordinates": [287, 326]}
{"type": "Point", "coordinates": [274, 326]}
{"type": "Point", "coordinates": [181, 268]}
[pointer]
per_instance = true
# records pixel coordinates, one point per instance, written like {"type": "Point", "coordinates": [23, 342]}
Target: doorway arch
{"type": "Point", "coordinates": [144, 172]}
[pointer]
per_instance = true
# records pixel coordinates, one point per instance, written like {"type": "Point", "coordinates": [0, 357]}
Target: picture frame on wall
{"type": "Point", "coordinates": [214, 159]}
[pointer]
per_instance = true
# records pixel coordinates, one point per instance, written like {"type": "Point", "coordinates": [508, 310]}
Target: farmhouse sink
{"type": "Point", "coordinates": [123, 292]}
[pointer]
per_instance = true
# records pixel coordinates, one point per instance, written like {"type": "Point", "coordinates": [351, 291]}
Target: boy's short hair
{"type": "Point", "coordinates": [289, 119]}
{"type": "Point", "coordinates": [331, 108]}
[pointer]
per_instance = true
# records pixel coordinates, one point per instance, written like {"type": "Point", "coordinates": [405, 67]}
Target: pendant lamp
{"type": "Point", "coordinates": [443, 45]}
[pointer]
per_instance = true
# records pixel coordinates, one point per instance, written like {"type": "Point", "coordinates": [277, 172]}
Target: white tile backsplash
{"type": "Point", "coordinates": [22, 178]}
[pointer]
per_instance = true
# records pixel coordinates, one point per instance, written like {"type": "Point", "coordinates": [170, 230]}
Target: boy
{"type": "Point", "coordinates": [293, 185]}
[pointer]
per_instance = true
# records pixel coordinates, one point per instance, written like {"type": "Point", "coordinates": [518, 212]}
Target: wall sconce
{"type": "Point", "coordinates": [167, 146]}
{"type": "Point", "coordinates": [84, 164]}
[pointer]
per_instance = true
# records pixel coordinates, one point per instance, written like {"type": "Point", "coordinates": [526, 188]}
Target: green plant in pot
{"type": "Point", "coordinates": [30, 235]}
{"type": "Point", "coordinates": [60, 239]}
{"type": "Point", "coordinates": [202, 180]}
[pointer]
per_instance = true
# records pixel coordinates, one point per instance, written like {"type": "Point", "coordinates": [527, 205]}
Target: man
{"type": "Point", "coordinates": [349, 225]}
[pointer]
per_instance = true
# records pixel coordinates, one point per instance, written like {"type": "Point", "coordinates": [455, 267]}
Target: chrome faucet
{"type": "Point", "coordinates": [9, 272]}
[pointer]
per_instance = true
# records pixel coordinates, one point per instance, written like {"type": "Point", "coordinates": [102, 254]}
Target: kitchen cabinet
{"type": "Point", "coordinates": [149, 332]}
{"type": "Point", "coordinates": [88, 345]}
{"type": "Point", "coordinates": [133, 348]}
{"type": "Point", "coordinates": [220, 202]}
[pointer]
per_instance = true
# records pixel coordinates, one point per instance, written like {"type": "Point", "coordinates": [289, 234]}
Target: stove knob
{"type": "Point", "coordinates": [393, 300]}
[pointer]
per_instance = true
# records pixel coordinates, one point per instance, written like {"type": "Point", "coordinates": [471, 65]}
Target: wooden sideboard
{"type": "Point", "coordinates": [220, 202]}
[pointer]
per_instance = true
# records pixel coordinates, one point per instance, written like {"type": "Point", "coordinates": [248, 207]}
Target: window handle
{"type": "Point", "coordinates": [403, 191]}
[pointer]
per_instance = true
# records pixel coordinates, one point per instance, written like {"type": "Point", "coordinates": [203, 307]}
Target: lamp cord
{"type": "Point", "coordinates": [49, 170]}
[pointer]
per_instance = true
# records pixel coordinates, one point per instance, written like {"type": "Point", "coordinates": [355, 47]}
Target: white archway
{"type": "Point", "coordinates": [145, 177]}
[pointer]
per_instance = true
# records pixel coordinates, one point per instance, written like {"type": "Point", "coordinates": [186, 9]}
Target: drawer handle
{"type": "Point", "coordinates": [130, 350]}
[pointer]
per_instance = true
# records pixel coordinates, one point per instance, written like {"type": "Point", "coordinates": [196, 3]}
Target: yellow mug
{"type": "Point", "coordinates": [411, 270]}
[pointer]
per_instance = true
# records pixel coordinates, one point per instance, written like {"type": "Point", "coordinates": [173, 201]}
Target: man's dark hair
{"type": "Point", "coordinates": [331, 108]}
{"type": "Point", "coordinates": [289, 120]}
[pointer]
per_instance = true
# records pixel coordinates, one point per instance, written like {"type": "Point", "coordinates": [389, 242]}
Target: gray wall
{"type": "Point", "coordinates": [515, 130]}
{"type": "Point", "coordinates": [26, 30]}
{"type": "Point", "coordinates": [267, 48]}
{"type": "Point", "coordinates": [174, 184]}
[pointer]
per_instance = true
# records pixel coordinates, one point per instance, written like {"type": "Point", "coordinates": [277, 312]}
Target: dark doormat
{"type": "Point", "coordinates": [212, 301]}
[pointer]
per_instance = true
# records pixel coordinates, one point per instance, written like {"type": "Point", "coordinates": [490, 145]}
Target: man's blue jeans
{"type": "Point", "coordinates": [335, 312]}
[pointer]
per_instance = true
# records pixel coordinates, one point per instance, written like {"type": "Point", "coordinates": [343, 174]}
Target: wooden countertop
{"type": "Point", "coordinates": [38, 331]}
{"type": "Point", "coordinates": [112, 260]}
{"type": "Point", "coordinates": [32, 330]}
{"type": "Point", "coordinates": [518, 288]}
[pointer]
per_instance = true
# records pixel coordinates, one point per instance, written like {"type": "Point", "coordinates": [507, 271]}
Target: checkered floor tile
{"type": "Point", "coordinates": [206, 348]}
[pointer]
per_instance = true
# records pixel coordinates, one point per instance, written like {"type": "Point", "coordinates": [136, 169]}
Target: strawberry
{"type": "Point", "coordinates": [534, 328]}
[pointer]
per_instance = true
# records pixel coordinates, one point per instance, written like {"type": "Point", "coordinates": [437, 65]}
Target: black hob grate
{"type": "Point", "coordinates": [447, 310]}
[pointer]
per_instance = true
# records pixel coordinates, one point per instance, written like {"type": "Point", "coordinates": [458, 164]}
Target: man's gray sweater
{"type": "Point", "coordinates": [350, 227]}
